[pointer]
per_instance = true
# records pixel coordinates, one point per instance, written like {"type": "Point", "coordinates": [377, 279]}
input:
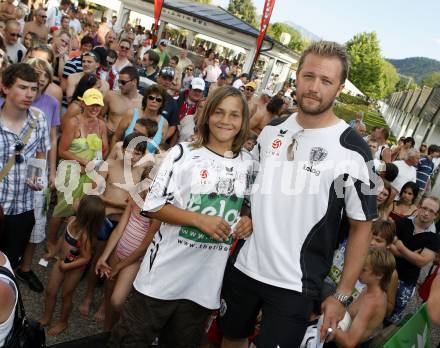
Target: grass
{"type": "Point", "coordinates": [371, 118]}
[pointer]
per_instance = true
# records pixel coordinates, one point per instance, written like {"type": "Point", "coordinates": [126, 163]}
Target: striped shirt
{"type": "Point", "coordinates": [16, 197]}
{"type": "Point", "coordinates": [424, 172]}
{"type": "Point", "coordinates": [72, 66]}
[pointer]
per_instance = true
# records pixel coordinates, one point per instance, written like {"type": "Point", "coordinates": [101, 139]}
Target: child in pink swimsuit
{"type": "Point", "coordinates": [124, 251]}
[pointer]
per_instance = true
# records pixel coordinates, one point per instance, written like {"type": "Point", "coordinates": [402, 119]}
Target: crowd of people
{"type": "Point", "coordinates": [212, 214]}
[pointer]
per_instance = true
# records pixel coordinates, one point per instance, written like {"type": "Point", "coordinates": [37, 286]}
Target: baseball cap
{"type": "Point", "coordinates": [163, 42]}
{"type": "Point", "coordinates": [252, 84]}
{"type": "Point", "coordinates": [198, 83]}
{"type": "Point", "coordinates": [167, 71]}
{"type": "Point", "coordinates": [92, 97]}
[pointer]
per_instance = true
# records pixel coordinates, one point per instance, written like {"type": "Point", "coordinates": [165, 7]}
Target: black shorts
{"type": "Point", "coordinates": [285, 312]}
{"type": "Point", "coordinates": [177, 323]}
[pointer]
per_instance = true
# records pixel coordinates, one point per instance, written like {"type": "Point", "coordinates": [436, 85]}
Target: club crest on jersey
{"type": "Point", "coordinates": [317, 154]}
{"type": "Point", "coordinates": [275, 148]}
{"type": "Point", "coordinates": [204, 174]}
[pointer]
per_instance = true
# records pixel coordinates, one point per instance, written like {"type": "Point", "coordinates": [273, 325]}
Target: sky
{"type": "Point", "coordinates": [405, 28]}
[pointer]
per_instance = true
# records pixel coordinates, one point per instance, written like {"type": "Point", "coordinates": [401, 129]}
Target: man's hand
{"type": "Point", "coordinates": [214, 226]}
{"type": "Point", "coordinates": [333, 312]}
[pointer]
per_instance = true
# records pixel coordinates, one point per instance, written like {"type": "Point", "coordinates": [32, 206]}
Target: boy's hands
{"type": "Point", "coordinates": [243, 229]}
{"type": "Point", "coordinates": [214, 226]}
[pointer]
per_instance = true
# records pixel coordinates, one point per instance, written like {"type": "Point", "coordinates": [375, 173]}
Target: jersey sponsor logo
{"type": "Point", "coordinates": [204, 174]}
{"type": "Point", "coordinates": [213, 204]}
{"type": "Point", "coordinates": [317, 155]}
{"type": "Point", "coordinates": [276, 144]}
{"type": "Point", "coordinates": [282, 133]}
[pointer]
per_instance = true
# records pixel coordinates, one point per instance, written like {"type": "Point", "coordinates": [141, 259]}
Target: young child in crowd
{"type": "Point", "coordinates": [143, 126]}
{"type": "Point", "coordinates": [118, 184]}
{"type": "Point", "coordinates": [75, 254]}
{"type": "Point", "coordinates": [117, 261]}
{"type": "Point", "coordinates": [368, 311]}
{"type": "Point", "coordinates": [198, 195]}
{"type": "Point", "coordinates": [383, 232]}
{"type": "Point", "coordinates": [250, 141]}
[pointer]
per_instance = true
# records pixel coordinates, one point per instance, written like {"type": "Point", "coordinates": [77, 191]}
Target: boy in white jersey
{"type": "Point", "coordinates": [198, 194]}
{"type": "Point", "coordinates": [312, 167]}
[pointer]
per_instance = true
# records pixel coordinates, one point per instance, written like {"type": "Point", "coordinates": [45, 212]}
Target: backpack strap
{"type": "Point", "coordinates": [5, 271]}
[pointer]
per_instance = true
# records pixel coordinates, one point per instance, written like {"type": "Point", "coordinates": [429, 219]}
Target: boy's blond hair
{"type": "Point", "coordinates": [382, 263]}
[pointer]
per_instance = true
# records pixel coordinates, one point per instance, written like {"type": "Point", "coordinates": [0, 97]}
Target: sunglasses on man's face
{"type": "Point", "coordinates": [124, 48]}
{"type": "Point", "coordinates": [123, 83]}
{"type": "Point", "coordinates": [43, 16]}
{"type": "Point", "coordinates": [189, 69]}
{"type": "Point", "coordinates": [158, 99]}
{"type": "Point", "coordinates": [14, 34]}
{"type": "Point", "coordinates": [250, 89]}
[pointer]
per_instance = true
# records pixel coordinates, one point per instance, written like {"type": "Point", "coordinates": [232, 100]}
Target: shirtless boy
{"type": "Point", "coordinates": [264, 115]}
{"type": "Point", "coordinates": [368, 310]}
{"type": "Point", "coordinates": [118, 184]}
{"type": "Point", "coordinates": [118, 102]}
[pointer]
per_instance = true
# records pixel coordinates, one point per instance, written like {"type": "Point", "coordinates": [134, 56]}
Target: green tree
{"type": "Point", "coordinates": [406, 83]}
{"type": "Point", "coordinates": [297, 42]}
{"type": "Point", "coordinates": [390, 78]}
{"type": "Point", "coordinates": [431, 80]}
{"type": "Point", "coordinates": [366, 70]}
{"type": "Point", "coordinates": [245, 10]}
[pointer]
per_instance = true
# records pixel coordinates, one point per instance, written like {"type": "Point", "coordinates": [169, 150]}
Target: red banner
{"type": "Point", "coordinates": [265, 19]}
{"type": "Point", "coordinates": [158, 4]}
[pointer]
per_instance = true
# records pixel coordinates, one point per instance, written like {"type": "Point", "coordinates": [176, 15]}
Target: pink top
{"type": "Point", "coordinates": [133, 234]}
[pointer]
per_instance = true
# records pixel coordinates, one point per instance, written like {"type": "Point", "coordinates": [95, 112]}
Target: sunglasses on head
{"type": "Point", "coordinates": [18, 148]}
{"type": "Point", "coordinates": [158, 99]}
{"type": "Point", "coordinates": [123, 83]}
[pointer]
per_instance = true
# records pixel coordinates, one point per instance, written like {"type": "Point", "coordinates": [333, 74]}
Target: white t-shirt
{"type": "Point", "coordinates": [13, 52]}
{"type": "Point", "coordinates": [297, 205]}
{"type": "Point", "coordinates": [237, 83]}
{"type": "Point", "coordinates": [76, 25]}
{"type": "Point", "coordinates": [6, 326]}
{"type": "Point", "coordinates": [406, 173]}
{"type": "Point", "coordinates": [380, 149]}
{"type": "Point", "coordinates": [182, 262]}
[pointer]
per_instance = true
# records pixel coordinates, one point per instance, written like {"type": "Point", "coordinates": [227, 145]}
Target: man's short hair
{"type": "Point", "coordinates": [87, 40]}
{"type": "Point", "coordinates": [175, 58]}
{"type": "Point", "coordinates": [130, 71]}
{"type": "Point", "coordinates": [11, 22]}
{"type": "Point", "coordinates": [21, 71]}
{"type": "Point", "coordinates": [433, 148]}
{"type": "Point", "coordinates": [432, 198]}
{"type": "Point", "coordinates": [412, 152]}
{"type": "Point", "coordinates": [328, 49]}
{"type": "Point", "coordinates": [65, 2]}
{"type": "Point", "coordinates": [274, 105]}
{"type": "Point", "coordinates": [153, 57]}
{"type": "Point", "coordinates": [63, 17]}
{"type": "Point", "coordinates": [124, 40]}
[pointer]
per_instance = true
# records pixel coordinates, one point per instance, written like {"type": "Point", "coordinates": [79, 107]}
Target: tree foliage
{"type": "Point", "coordinates": [406, 83]}
{"type": "Point", "coordinates": [369, 71]}
{"type": "Point", "coordinates": [432, 79]}
{"type": "Point", "coordinates": [297, 42]}
{"type": "Point", "coordinates": [416, 67]}
{"type": "Point", "coordinates": [245, 10]}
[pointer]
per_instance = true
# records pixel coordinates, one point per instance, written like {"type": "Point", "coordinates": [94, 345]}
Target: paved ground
{"type": "Point", "coordinates": [80, 326]}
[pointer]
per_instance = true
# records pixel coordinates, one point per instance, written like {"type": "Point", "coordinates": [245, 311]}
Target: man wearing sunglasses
{"type": "Point", "coordinates": [38, 26]}
{"type": "Point", "coordinates": [116, 103]}
{"type": "Point", "coordinates": [90, 65]}
{"type": "Point", "coordinates": [14, 48]}
{"type": "Point", "coordinates": [249, 91]}
{"type": "Point", "coordinates": [23, 135]}
{"type": "Point", "coordinates": [313, 168]}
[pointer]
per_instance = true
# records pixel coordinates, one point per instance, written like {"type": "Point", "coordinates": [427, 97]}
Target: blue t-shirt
{"type": "Point", "coordinates": [424, 171]}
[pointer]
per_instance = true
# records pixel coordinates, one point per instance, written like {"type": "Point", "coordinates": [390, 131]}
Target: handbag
{"type": "Point", "coordinates": [25, 332]}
